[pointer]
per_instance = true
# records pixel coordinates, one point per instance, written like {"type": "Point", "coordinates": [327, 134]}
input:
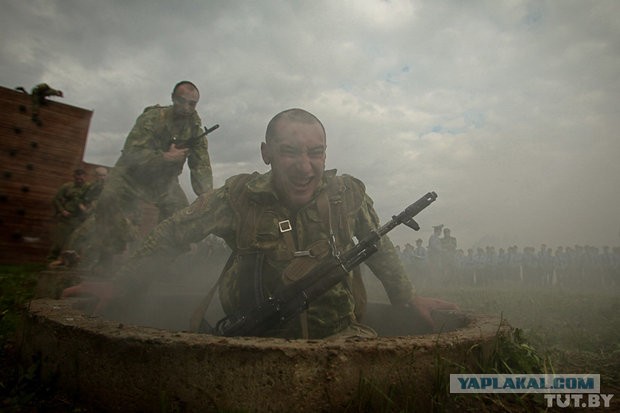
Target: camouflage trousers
{"type": "Point", "coordinates": [82, 241]}
{"type": "Point", "coordinates": [61, 234]}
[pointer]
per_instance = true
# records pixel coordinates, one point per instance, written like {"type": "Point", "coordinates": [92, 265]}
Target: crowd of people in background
{"type": "Point", "coordinates": [441, 262]}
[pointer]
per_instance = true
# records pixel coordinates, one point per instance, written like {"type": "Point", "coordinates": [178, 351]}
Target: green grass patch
{"type": "Point", "coordinates": [17, 283]}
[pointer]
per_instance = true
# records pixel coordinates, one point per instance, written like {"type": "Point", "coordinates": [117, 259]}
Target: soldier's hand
{"type": "Point", "coordinates": [65, 213]}
{"type": "Point", "coordinates": [103, 291]}
{"type": "Point", "coordinates": [424, 306]}
{"type": "Point", "coordinates": [175, 154]}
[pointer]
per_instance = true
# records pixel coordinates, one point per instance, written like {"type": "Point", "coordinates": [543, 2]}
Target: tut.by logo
{"type": "Point", "coordinates": [578, 400]}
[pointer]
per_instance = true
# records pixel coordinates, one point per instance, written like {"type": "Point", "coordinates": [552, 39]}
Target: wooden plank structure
{"type": "Point", "coordinates": [35, 160]}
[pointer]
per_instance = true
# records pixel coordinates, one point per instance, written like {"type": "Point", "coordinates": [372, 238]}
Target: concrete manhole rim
{"type": "Point", "coordinates": [123, 367]}
{"type": "Point", "coordinates": [62, 312]}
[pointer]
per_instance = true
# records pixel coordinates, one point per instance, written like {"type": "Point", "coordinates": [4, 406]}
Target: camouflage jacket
{"type": "Point", "coordinates": [93, 191]}
{"type": "Point", "coordinates": [142, 158]}
{"type": "Point", "coordinates": [247, 214]}
{"type": "Point", "coordinates": [69, 197]}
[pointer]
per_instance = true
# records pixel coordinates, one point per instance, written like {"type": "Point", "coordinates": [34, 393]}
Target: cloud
{"type": "Point", "coordinates": [506, 109]}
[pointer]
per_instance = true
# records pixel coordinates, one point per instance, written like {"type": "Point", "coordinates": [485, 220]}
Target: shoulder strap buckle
{"type": "Point", "coordinates": [306, 253]}
{"type": "Point", "coordinates": [285, 226]}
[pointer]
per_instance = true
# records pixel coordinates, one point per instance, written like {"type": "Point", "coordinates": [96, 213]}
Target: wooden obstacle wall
{"type": "Point", "coordinates": [35, 160]}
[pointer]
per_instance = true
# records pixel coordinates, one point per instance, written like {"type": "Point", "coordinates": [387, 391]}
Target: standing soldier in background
{"type": "Point", "coordinates": [407, 255]}
{"type": "Point", "coordinates": [615, 266]}
{"type": "Point", "coordinates": [546, 264]}
{"type": "Point", "coordinates": [490, 264]}
{"type": "Point", "coordinates": [80, 244]}
{"type": "Point", "coordinates": [67, 212]}
{"type": "Point", "coordinates": [502, 265]}
{"type": "Point", "coordinates": [606, 260]}
{"type": "Point", "coordinates": [420, 262]}
{"type": "Point", "coordinates": [469, 267]}
{"type": "Point", "coordinates": [154, 154]}
{"type": "Point", "coordinates": [578, 265]}
{"type": "Point", "coordinates": [448, 258]}
{"type": "Point", "coordinates": [540, 259]}
{"type": "Point", "coordinates": [592, 267]}
{"type": "Point", "coordinates": [514, 264]}
{"type": "Point", "coordinates": [529, 263]}
{"type": "Point", "coordinates": [480, 267]}
{"type": "Point", "coordinates": [434, 253]}
{"type": "Point", "coordinates": [560, 263]}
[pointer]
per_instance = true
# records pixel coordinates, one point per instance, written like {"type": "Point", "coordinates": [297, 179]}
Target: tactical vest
{"type": "Point", "coordinates": [164, 134]}
{"type": "Point", "coordinates": [133, 160]}
{"type": "Point", "coordinates": [262, 236]}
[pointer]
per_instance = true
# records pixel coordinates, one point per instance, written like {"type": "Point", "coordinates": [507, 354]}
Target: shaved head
{"type": "Point", "coordinates": [293, 115]}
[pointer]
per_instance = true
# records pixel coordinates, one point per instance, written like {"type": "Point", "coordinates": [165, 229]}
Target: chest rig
{"type": "Point", "coordinates": [243, 272]}
{"type": "Point", "coordinates": [166, 131]}
{"type": "Point", "coordinates": [268, 240]}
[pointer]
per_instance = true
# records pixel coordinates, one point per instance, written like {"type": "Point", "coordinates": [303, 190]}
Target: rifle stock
{"type": "Point", "coordinates": [295, 298]}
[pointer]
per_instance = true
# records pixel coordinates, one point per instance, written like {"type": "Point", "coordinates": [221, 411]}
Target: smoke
{"type": "Point", "coordinates": [176, 291]}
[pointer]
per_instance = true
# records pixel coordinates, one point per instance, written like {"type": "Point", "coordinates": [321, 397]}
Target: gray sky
{"type": "Point", "coordinates": [508, 110]}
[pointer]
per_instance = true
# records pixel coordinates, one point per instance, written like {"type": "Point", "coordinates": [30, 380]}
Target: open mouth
{"type": "Point", "coordinates": [301, 183]}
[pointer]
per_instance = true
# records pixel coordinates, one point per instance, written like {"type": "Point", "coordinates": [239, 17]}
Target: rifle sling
{"type": "Point", "coordinates": [302, 264]}
{"type": "Point", "coordinates": [198, 319]}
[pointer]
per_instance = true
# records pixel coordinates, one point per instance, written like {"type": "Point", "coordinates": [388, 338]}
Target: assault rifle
{"type": "Point", "coordinates": [295, 298]}
{"type": "Point", "coordinates": [194, 139]}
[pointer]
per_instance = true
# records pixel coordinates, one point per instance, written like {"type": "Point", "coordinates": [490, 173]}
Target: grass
{"type": "Point", "coordinates": [510, 354]}
{"type": "Point", "coordinates": [16, 288]}
{"type": "Point", "coordinates": [582, 321]}
{"type": "Point", "coordinates": [557, 330]}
